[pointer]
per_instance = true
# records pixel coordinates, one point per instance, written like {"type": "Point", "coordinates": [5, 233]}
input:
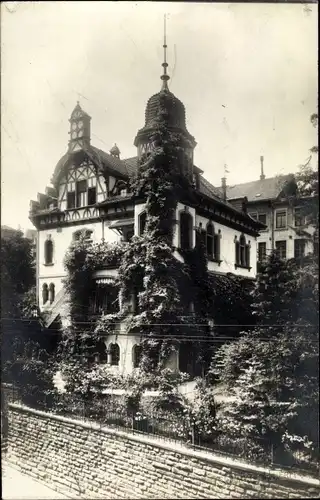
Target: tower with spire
{"type": "Point", "coordinates": [167, 107]}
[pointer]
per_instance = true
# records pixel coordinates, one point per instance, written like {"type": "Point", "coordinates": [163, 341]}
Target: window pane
{"type": "Point", "coordinates": [71, 199]}
{"type": "Point", "coordinates": [299, 247]}
{"type": "Point", "coordinates": [210, 245]}
{"type": "Point", "coordinates": [253, 215]}
{"type": "Point", "coordinates": [281, 219]}
{"type": "Point", "coordinates": [298, 218]}
{"type": "Point", "coordinates": [81, 190]}
{"type": "Point", "coordinates": [92, 196]}
{"type": "Point", "coordinates": [81, 186]}
{"type": "Point", "coordinates": [262, 251]}
{"type": "Point", "coordinates": [281, 247]}
{"type": "Point", "coordinates": [217, 246]}
{"type": "Point", "coordinates": [185, 231]}
{"type": "Point", "coordinates": [262, 218]}
{"type": "Point", "coordinates": [142, 223]}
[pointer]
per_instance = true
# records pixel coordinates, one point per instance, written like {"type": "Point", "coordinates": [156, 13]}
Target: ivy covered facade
{"type": "Point", "coordinates": [141, 259]}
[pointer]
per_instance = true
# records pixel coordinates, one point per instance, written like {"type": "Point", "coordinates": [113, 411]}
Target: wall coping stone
{"type": "Point", "coordinates": [173, 447]}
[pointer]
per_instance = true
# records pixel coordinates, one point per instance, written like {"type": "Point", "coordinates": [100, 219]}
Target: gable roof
{"type": "Point", "coordinates": [128, 167]}
{"type": "Point", "coordinates": [265, 189]}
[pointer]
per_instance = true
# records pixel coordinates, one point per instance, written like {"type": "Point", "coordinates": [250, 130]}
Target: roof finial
{"type": "Point", "coordinates": [262, 176]}
{"type": "Point", "coordinates": [165, 77]}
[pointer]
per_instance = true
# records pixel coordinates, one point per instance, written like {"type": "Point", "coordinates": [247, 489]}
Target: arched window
{"type": "Point", "coordinates": [210, 240]}
{"type": "Point", "coordinates": [242, 252]}
{"type": "Point", "coordinates": [45, 293]}
{"type": "Point", "coordinates": [185, 231]}
{"type": "Point", "coordinates": [51, 293]}
{"type": "Point", "coordinates": [136, 355]}
{"type": "Point", "coordinates": [142, 223]}
{"type": "Point", "coordinates": [48, 251]}
{"type": "Point", "coordinates": [114, 351]}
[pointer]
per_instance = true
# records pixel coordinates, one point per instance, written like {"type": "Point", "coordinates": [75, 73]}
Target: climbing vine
{"type": "Point", "coordinates": [164, 286]}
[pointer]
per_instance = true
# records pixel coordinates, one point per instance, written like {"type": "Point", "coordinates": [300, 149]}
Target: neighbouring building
{"type": "Point", "coordinates": [90, 193]}
{"type": "Point", "coordinates": [273, 202]}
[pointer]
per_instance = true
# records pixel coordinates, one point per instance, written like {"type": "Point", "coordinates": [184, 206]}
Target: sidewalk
{"type": "Point", "coordinates": [18, 486]}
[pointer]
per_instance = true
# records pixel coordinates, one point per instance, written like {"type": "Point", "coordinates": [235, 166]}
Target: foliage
{"type": "Point", "coordinates": [308, 184]}
{"type": "Point", "coordinates": [276, 291]}
{"type": "Point", "coordinates": [203, 412]}
{"type": "Point", "coordinates": [24, 347]}
{"type": "Point", "coordinates": [272, 372]}
{"type": "Point", "coordinates": [169, 399]}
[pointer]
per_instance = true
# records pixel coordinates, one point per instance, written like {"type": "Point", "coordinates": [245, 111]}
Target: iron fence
{"type": "Point", "coordinates": [105, 411]}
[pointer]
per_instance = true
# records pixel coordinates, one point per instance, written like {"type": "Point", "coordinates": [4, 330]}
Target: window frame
{"type": "Point", "coordinates": [136, 358]}
{"type": "Point", "coordinates": [47, 261]}
{"type": "Point", "coordinates": [142, 222]}
{"type": "Point", "coordinates": [279, 250]}
{"type": "Point", "coordinates": [279, 210]}
{"type": "Point", "coordinates": [301, 242]}
{"type": "Point", "coordinates": [114, 358]}
{"type": "Point", "coordinates": [45, 293]}
{"type": "Point", "coordinates": [262, 258]}
{"type": "Point", "coordinates": [210, 240]}
{"type": "Point", "coordinates": [265, 215]}
{"type": "Point", "coordinates": [71, 206]}
{"type": "Point", "coordinates": [81, 192]}
{"type": "Point", "coordinates": [243, 252]}
{"type": "Point", "coordinates": [92, 189]}
{"type": "Point", "coordinates": [302, 217]}
{"type": "Point", "coordinates": [185, 214]}
{"type": "Point", "coordinates": [52, 293]}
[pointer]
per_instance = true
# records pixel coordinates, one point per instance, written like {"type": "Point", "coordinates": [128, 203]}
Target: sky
{"type": "Point", "coordinates": [246, 73]}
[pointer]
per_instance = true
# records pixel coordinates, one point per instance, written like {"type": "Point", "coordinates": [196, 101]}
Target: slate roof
{"type": "Point", "coordinates": [259, 190]}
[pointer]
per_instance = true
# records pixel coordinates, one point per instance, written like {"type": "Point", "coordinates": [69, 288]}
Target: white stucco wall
{"type": "Point", "coordinates": [62, 238]}
{"type": "Point", "coordinates": [227, 250]}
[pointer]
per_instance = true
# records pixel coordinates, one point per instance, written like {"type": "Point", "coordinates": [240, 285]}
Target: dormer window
{"type": "Point", "coordinates": [71, 199]}
{"type": "Point", "coordinates": [81, 190]}
{"type": "Point", "coordinates": [81, 195]}
{"type": "Point", "coordinates": [92, 196]}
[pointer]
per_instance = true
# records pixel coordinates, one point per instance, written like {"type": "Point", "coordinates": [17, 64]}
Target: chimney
{"type": "Point", "coordinates": [262, 176]}
{"type": "Point", "coordinates": [224, 188]}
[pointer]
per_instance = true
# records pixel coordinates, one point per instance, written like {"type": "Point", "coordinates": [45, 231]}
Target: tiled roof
{"type": "Point", "coordinates": [131, 165]}
{"type": "Point", "coordinates": [111, 161]}
{"type": "Point", "coordinates": [128, 167]}
{"type": "Point", "coordinates": [259, 190]}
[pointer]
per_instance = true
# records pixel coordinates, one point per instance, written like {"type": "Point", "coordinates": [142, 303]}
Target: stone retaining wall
{"type": "Point", "coordinates": [95, 462]}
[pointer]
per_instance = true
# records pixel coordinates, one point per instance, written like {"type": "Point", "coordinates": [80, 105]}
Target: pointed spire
{"type": "Point", "coordinates": [262, 176]}
{"type": "Point", "coordinates": [165, 77]}
{"type": "Point", "coordinates": [224, 182]}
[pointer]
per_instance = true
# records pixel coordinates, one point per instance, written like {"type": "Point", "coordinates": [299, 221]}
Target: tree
{"type": "Point", "coordinates": [273, 370]}
{"type": "Point", "coordinates": [24, 355]}
{"type": "Point", "coordinates": [308, 184]}
{"type": "Point", "coordinates": [17, 270]}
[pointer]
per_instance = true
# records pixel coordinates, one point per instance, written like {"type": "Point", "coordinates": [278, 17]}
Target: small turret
{"type": "Point", "coordinates": [115, 151]}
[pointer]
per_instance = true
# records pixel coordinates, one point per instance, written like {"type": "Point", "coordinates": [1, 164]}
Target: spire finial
{"type": "Point", "coordinates": [165, 77]}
